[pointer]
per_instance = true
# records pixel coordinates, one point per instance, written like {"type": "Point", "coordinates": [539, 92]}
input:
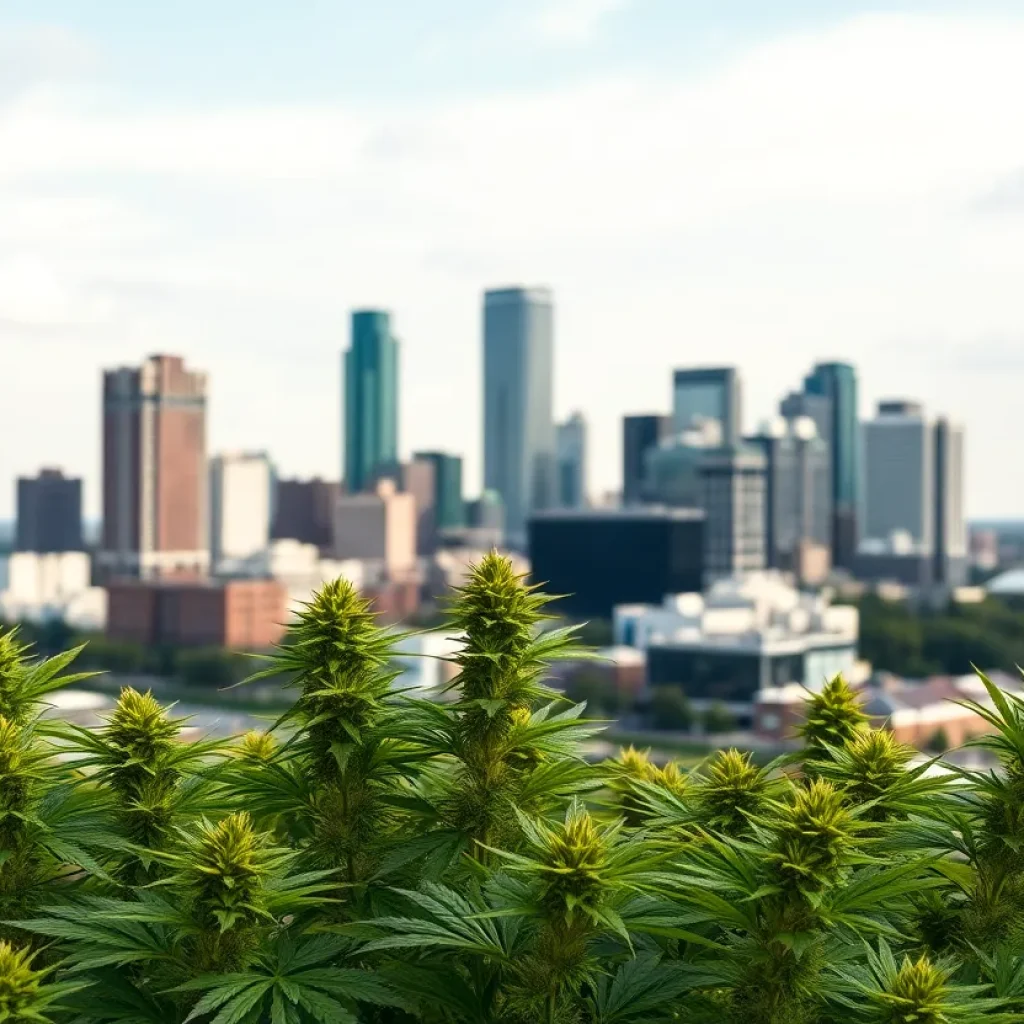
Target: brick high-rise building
{"type": "Point", "coordinates": [154, 470]}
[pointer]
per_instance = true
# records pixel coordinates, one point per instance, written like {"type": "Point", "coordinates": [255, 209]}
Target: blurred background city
{"type": "Point", "coordinates": [714, 334]}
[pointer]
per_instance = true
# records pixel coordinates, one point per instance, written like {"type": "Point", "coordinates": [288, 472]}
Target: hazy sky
{"type": "Point", "coordinates": [698, 183]}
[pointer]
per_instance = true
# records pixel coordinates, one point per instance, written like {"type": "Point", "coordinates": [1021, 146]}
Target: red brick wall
{"type": "Point", "coordinates": [200, 615]}
{"type": "Point", "coordinates": [255, 613]}
{"type": "Point", "coordinates": [131, 613]}
{"type": "Point", "coordinates": [180, 475]}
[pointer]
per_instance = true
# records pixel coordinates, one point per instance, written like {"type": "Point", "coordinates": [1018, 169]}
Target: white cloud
{"type": "Point", "coordinates": [573, 22]}
{"type": "Point", "coordinates": [813, 197]}
{"type": "Point", "coordinates": [30, 54]}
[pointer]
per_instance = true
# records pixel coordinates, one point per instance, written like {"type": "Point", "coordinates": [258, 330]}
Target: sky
{"type": "Point", "coordinates": [738, 182]}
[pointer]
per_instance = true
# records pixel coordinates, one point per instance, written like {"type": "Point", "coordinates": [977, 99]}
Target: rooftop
{"type": "Point", "coordinates": [638, 512]}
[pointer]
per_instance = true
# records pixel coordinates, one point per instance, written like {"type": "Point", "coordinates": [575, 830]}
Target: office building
{"type": "Point", "coordinates": [370, 399]}
{"type": "Point", "coordinates": [305, 511]}
{"type": "Point", "coordinates": [709, 393]}
{"type": "Point", "coordinates": [419, 478]}
{"type": "Point", "coordinates": [519, 428]}
{"type": "Point", "coordinates": [51, 586]}
{"type": "Point", "coordinates": [740, 638]}
{"type": "Point", "coordinates": [599, 558]}
{"type": "Point", "coordinates": [571, 447]}
{"type": "Point", "coordinates": [240, 500]}
{"type": "Point", "coordinates": [239, 614]}
{"type": "Point", "coordinates": [485, 523]}
{"type": "Point", "coordinates": [640, 435]}
{"type": "Point", "coordinates": [914, 528]}
{"type": "Point", "coordinates": [672, 468]}
{"type": "Point", "coordinates": [798, 498]}
{"type": "Point", "coordinates": [898, 526]}
{"type": "Point", "coordinates": [952, 559]}
{"type": "Point", "coordinates": [733, 489]}
{"type": "Point", "coordinates": [49, 513]}
{"type": "Point", "coordinates": [377, 527]}
{"type": "Point", "coordinates": [155, 513]}
{"type": "Point", "coordinates": [817, 408]}
{"type": "Point", "coordinates": [449, 505]}
{"type": "Point", "coordinates": [837, 382]}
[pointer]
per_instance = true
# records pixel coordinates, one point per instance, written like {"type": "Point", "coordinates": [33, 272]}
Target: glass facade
{"type": "Point", "coordinates": [640, 435]}
{"type": "Point", "coordinates": [733, 489]}
{"type": "Point", "coordinates": [727, 676]}
{"type": "Point", "coordinates": [449, 506]}
{"type": "Point", "coordinates": [519, 428]}
{"type": "Point", "coordinates": [838, 383]}
{"type": "Point", "coordinates": [708, 394]}
{"type": "Point", "coordinates": [735, 676]}
{"type": "Point", "coordinates": [371, 400]}
{"type": "Point", "coordinates": [601, 560]}
{"type": "Point", "coordinates": [571, 446]}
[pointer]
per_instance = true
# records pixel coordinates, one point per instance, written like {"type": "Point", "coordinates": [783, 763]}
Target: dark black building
{"type": "Point", "coordinates": [639, 435]}
{"type": "Point", "coordinates": [731, 674]}
{"type": "Point", "coordinates": [49, 513]}
{"type": "Point", "coordinates": [599, 558]}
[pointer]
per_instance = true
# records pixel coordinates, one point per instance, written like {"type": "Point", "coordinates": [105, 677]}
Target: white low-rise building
{"type": "Point", "coordinates": [744, 635]}
{"type": "Point", "coordinates": [54, 585]}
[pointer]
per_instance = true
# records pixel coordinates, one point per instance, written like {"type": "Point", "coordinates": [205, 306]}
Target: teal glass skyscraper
{"type": "Point", "coordinates": [837, 382]}
{"type": "Point", "coordinates": [370, 417]}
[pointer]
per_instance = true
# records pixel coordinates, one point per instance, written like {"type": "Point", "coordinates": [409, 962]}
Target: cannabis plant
{"type": "Point", "coordinates": [377, 856]}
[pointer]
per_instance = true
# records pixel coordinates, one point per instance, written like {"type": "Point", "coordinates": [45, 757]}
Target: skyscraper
{"type": "Point", "coordinates": [154, 470]}
{"type": "Point", "coordinates": [733, 482]}
{"type": "Point", "coordinates": [951, 559]}
{"type": "Point", "coordinates": [571, 444]}
{"type": "Point", "coordinates": [371, 400]}
{"type": "Point", "coordinates": [798, 495]}
{"type": "Point", "coordinates": [519, 430]}
{"type": "Point", "coordinates": [709, 393]}
{"type": "Point", "coordinates": [838, 383]}
{"type": "Point", "coordinates": [914, 527]}
{"type": "Point", "coordinates": [899, 487]}
{"type": "Point", "coordinates": [49, 513]}
{"type": "Point", "coordinates": [640, 434]}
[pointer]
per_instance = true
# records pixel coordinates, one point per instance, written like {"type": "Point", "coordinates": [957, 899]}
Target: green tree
{"type": "Point", "coordinates": [208, 667]}
{"type": "Point", "coordinates": [670, 709]}
{"type": "Point", "coordinates": [718, 719]}
{"type": "Point", "coordinates": [939, 742]}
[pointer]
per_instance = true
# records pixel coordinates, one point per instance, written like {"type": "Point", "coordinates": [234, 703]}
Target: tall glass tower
{"type": "Point", "coordinates": [519, 428]}
{"type": "Point", "coordinates": [371, 399]}
{"type": "Point", "coordinates": [838, 383]}
{"type": "Point", "coordinates": [710, 393]}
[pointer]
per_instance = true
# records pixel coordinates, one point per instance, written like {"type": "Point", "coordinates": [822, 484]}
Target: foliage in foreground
{"type": "Point", "coordinates": [380, 858]}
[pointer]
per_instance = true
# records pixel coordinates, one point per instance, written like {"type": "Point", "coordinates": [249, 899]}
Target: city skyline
{"type": "Point", "coordinates": [800, 210]}
{"type": "Point", "coordinates": [793, 404]}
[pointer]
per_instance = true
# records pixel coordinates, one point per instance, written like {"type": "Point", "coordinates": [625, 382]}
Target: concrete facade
{"type": "Point", "coordinates": [378, 527]}
{"type": "Point", "coordinates": [239, 506]}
